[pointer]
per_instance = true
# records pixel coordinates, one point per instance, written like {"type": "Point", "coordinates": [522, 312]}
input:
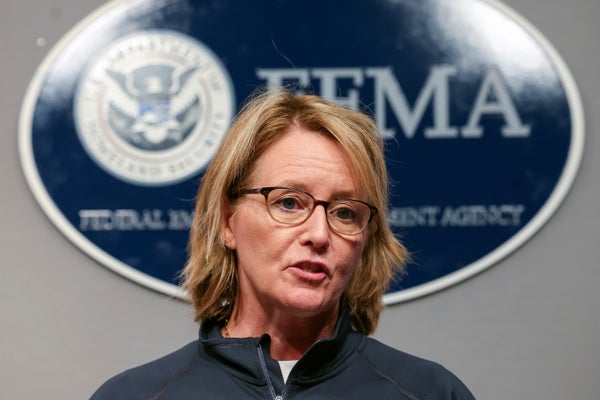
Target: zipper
{"type": "Point", "coordinates": [263, 365]}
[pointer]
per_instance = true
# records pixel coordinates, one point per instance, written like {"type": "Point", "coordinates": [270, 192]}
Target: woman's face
{"type": "Point", "coordinates": [303, 269]}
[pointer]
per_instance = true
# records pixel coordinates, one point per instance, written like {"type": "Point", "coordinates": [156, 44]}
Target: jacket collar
{"type": "Point", "coordinates": [241, 357]}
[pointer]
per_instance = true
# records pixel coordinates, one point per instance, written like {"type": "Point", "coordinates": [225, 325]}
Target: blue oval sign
{"type": "Point", "coordinates": [482, 120]}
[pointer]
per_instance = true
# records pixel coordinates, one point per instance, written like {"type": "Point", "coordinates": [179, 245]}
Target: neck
{"type": "Point", "coordinates": [291, 335]}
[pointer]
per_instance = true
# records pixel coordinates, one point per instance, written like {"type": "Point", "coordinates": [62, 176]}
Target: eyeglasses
{"type": "Point", "coordinates": [294, 206]}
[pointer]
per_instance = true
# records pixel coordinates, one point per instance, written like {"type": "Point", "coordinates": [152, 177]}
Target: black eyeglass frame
{"type": "Point", "coordinates": [268, 189]}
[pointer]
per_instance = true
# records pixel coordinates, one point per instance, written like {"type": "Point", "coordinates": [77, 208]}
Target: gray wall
{"type": "Point", "coordinates": [528, 328]}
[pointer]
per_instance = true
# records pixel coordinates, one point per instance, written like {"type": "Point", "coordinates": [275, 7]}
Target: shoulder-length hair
{"type": "Point", "coordinates": [210, 275]}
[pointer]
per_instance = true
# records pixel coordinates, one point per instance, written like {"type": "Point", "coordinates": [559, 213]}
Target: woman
{"type": "Point", "coordinates": [290, 254]}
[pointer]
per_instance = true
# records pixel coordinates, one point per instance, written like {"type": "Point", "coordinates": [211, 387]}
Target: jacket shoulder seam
{"type": "Point", "coordinates": [158, 395]}
{"type": "Point", "coordinates": [388, 378]}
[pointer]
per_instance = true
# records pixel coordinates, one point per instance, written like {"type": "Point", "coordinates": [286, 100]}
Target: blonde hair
{"type": "Point", "coordinates": [210, 275]}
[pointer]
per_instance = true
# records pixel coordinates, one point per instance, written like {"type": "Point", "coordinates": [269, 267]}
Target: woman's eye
{"type": "Point", "coordinates": [345, 213]}
{"type": "Point", "coordinates": [288, 203]}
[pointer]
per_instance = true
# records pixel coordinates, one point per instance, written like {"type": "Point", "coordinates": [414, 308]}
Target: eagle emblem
{"type": "Point", "coordinates": [153, 107]}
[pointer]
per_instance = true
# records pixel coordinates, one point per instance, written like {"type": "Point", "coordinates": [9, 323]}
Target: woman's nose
{"type": "Point", "coordinates": [317, 231]}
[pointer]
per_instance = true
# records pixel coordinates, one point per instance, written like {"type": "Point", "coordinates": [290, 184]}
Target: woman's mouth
{"type": "Point", "coordinates": [310, 271]}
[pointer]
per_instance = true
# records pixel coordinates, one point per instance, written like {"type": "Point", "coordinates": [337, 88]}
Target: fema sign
{"type": "Point", "coordinates": [482, 120]}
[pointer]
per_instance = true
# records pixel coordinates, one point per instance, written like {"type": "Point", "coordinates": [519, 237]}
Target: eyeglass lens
{"type": "Point", "coordinates": [289, 206]}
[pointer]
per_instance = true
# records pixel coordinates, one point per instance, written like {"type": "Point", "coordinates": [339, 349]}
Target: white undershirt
{"type": "Point", "coordinates": [286, 367]}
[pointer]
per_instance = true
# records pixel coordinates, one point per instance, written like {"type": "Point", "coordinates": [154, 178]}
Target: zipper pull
{"type": "Point", "coordinates": [279, 397]}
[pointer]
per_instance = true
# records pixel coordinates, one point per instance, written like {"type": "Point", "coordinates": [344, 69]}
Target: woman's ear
{"type": "Point", "coordinates": [228, 225]}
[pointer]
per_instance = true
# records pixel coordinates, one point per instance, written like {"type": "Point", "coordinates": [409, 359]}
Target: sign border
{"type": "Point", "coordinates": [558, 195]}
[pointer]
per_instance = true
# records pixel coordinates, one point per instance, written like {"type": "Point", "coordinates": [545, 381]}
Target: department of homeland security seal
{"type": "Point", "coordinates": [151, 110]}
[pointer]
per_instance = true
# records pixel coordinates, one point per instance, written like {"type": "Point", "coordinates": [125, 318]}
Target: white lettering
{"type": "Point", "coordinates": [413, 216]}
{"type": "Point", "coordinates": [478, 215]}
{"type": "Point", "coordinates": [180, 220]}
{"type": "Point", "coordinates": [329, 85]}
{"type": "Point", "coordinates": [344, 85]}
{"type": "Point", "coordinates": [388, 90]}
{"type": "Point", "coordinates": [95, 220]}
{"type": "Point", "coordinates": [278, 77]}
{"type": "Point", "coordinates": [493, 98]}
{"type": "Point", "coordinates": [460, 216]}
{"type": "Point", "coordinates": [134, 220]}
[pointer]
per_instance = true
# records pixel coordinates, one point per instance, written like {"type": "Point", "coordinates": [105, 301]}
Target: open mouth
{"type": "Point", "coordinates": [311, 271]}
